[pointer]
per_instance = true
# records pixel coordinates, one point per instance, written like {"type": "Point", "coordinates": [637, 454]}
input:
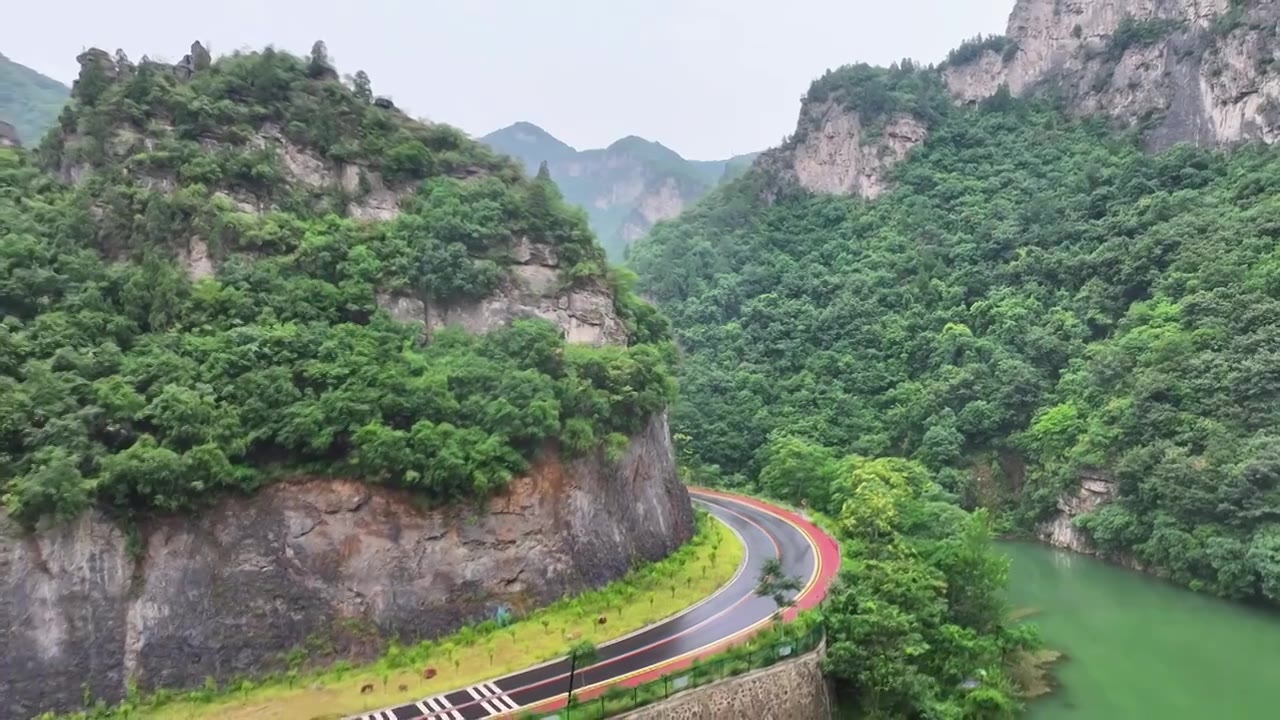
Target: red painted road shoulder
{"type": "Point", "coordinates": [827, 551]}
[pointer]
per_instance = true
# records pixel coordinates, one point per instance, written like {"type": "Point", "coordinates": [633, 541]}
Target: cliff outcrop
{"type": "Point", "coordinates": [839, 156]}
{"type": "Point", "coordinates": [1198, 71]}
{"type": "Point", "coordinates": [228, 592]}
{"type": "Point", "coordinates": [1096, 489]}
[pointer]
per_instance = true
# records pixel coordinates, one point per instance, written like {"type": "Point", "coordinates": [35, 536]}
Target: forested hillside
{"type": "Point", "coordinates": [1034, 298]}
{"type": "Point", "coordinates": [28, 100]}
{"type": "Point", "coordinates": [201, 309]}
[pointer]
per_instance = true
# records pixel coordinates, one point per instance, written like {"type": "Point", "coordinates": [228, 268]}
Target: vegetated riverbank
{"type": "Point", "coordinates": [473, 654]}
{"type": "Point", "coordinates": [1137, 646]}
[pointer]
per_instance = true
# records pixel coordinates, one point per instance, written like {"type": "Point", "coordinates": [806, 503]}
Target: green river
{"type": "Point", "coordinates": [1139, 648]}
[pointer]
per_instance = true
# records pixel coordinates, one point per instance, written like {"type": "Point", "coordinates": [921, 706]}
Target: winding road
{"type": "Point", "coordinates": [728, 617]}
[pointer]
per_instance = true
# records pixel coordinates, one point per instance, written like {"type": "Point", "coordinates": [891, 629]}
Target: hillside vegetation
{"type": "Point", "coordinates": [130, 382]}
{"type": "Point", "coordinates": [1036, 291]}
{"type": "Point", "coordinates": [28, 100]}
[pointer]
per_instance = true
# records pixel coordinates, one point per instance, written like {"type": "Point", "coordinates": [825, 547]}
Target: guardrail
{"type": "Point", "coordinates": [733, 662]}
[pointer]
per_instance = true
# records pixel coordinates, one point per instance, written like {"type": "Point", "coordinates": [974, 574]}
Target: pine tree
{"type": "Point", "coordinates": [362, 87]}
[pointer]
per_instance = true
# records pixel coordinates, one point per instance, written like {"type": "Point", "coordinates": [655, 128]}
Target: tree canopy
{"type": "Point", "coordinates": [1036, 292]}
{"type": "Point", "coordinates": [130, 381]}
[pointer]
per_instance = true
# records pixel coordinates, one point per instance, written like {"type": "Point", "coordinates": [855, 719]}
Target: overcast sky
{"type": "Point", "coordinates": [708, 78]}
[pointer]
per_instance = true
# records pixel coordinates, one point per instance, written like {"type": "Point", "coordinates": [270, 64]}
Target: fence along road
{"type": "Point", "coordinates": [731, 615]}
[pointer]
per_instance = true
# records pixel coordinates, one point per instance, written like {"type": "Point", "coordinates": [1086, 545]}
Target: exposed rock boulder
{"type": "Point", "coordinates": [1096, 488]}
{"type": "Point", "coordinates": [224, 593]}
{"type": "Point", "coordinates": [9, 136]}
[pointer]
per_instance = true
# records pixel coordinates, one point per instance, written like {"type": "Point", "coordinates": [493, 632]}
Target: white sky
{"type": "Point", "coordinates": [708, 78]}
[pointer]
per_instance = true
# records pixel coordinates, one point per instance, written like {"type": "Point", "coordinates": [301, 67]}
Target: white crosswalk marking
{"type": "Point", "coordinates": [499, 697]}
{"type": "Point", "coordinates": [486, 695]}
{"type": "Point", "coordinates": [481, 696]}
{"type": "Point", "coordinates": [439, 709]}
{"type": "Point", "coordinates": [492, 698]}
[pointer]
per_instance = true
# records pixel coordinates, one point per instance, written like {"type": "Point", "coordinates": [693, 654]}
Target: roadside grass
{"type": "Point", "coordinates": [473, 654]}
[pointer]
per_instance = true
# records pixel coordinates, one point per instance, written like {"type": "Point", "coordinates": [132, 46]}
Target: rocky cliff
{"type": "Point", "coordinates": [228, 592]}
{"type": "Point", "coordinates": [838, 155]}
{"type": "Point", "coordinates": [1096, 489]}
{"type": "Point", "coordinates": [625, 188]}
{"type": "Point", "coordinates": [1198, 71]}
{"type": "Point", "coordinates": [135, 550]}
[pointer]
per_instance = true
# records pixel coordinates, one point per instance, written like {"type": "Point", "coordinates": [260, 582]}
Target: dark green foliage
{"type": "Point", "coordinates": [917, 609]}
{"type": "Point", "coordinates": [975, 47]}
{"type": "Point", "coordinates": [133, 385]}
{"type": "Point", "coordinates": [1234, 18]}
{"type": "Point", "coordinates": [878, 93]}
{"type": "Point", "coordinates": [29, 101]}
{"type": "Point", "coordinates": [1034, 287]}
{"type": "Point", "coordinates": [1132, 33]}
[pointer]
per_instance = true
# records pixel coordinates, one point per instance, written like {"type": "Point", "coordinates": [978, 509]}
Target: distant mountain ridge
{"type": "Point", "coordinates": [29, 101]}
{"type": "Point", "coordinates": [626, 187]}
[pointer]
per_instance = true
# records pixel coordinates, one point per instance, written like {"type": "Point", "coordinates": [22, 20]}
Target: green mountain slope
{"type": "Point", "coordinates": [210, 302]}
{"type": "Point", "coordinates": [625, 188]}
{"type": "Point", "coordinates": [1034, 300]}
{"type": "Point", "coordinates": [28, 100]}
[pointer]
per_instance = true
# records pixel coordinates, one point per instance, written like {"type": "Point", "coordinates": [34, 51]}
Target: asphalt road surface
{"type": "Point", "coordinates": [728, 615]}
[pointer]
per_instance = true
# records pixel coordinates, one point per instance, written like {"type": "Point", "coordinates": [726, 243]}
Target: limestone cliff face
{"type": "Point", "coordinates": [1095, 490]}
{"type": "Point", "coordinates": [834, 152]}
{"type": "Point", "coordinates": [533, 287]}
{"type": "Point", "coordinates": [225, 593]}
{"type": "Point", "coordinates": [840, 157]}
{"type": "Point", "coordinates": [1198, 71]}
{"type": "Point", "coordinates": [660, 201]}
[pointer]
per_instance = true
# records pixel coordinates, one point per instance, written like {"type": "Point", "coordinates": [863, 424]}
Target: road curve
{"type": "Point", "coordinates": [728, 617]}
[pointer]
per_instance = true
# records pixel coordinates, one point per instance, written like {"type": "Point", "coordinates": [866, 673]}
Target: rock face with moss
{"type": "Point", "coordinates": [280, 364]}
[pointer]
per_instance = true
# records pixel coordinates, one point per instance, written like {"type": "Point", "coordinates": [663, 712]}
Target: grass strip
{"type": "Point", "coordinates": [473, 654]}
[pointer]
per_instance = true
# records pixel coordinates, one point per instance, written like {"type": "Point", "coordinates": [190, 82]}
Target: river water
{"type": "Point", "coordinates": [1139, 648]}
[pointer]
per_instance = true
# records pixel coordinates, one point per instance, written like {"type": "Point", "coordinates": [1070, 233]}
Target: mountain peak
{"type": "Point", "coordinates": [525, 140]}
